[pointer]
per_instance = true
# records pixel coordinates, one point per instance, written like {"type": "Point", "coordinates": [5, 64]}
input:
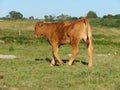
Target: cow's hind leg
{"type": "Point", "coordinates": [55, 53]}
{"type": "Point", "coordinates": [74, 52]}
{"type": "Point", "coordinates": [90, 50]}
{"type": "Point", "coordinates": [90, 53]}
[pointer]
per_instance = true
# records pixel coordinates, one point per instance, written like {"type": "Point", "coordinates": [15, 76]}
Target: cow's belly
{"type": "Point", "coordinates": [65, 40]}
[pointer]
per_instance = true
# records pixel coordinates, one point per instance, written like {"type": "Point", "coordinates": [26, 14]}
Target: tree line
{"type": "Point", "coordinates": [51, 18]}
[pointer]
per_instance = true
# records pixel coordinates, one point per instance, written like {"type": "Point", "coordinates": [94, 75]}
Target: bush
{"type": "Point", "coordinates": [105, 22]}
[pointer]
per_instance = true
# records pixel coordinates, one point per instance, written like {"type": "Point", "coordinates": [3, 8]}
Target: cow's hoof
{"type": "Point", "coordinates": [61, 63]}
{"type": "Point", "coordinates": [52, 65]}
{"type": "Point", "coordinates": [69, 63]}
{"type": "Point", "coordinates": [89, 65]}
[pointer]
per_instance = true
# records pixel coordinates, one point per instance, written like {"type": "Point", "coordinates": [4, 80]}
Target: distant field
{"type": "Point", "coordinates": [31, 69]}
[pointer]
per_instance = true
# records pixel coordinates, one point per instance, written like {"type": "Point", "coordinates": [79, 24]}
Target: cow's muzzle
{"type": "Point", "coordinates": [35, 36]}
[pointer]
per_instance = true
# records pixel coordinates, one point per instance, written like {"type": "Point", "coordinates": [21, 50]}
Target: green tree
{"type": "Point", "coordinates": [46, 18]}
{"type": "Point", "coordinates": [108, 16]}
{"type": "Point", "coordinates": [15, 15]}
{"type": "Point", "coordinates": [117, 16]}
{"type": "Point", "coordinates": [49, 18]}
{"type": "Point", "coordinates": [31, 18]}
{"type": "Point", "coordinates": [63, 17]}
{"type": "Point", "coordinates": [91, 14]}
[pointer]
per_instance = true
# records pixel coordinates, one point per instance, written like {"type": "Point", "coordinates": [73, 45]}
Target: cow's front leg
{"type": "Point", "coordinates": [74, 52]}
{"type": "Point", "coordinates": [52, 61]}
{"type": "Point", "coordinates": [55, 53]}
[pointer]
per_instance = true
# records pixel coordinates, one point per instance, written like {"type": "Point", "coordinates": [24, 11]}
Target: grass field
{"type": "Point", "coordinates": [31, 69]}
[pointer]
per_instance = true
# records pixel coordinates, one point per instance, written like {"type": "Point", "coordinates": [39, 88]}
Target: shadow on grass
{"type": "Point", "coordinates": [64, 60]}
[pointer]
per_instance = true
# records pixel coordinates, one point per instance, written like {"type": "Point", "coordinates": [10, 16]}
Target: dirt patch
{"type": "Point", "coordinates": [7, 56]}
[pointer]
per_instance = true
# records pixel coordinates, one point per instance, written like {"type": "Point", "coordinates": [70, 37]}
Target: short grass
{"type": "Point", "coordinates": [31, 69]}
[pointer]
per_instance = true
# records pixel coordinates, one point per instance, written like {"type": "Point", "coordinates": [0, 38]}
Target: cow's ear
{"type": "Point", "coordinates": [40, 23]}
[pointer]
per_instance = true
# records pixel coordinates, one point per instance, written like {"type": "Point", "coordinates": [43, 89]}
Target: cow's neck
{"type": "Point", "coordinates": [46, 34]}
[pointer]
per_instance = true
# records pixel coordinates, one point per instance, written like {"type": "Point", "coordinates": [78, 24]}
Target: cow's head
{"type": "Point", "coordinates": [38, 27]}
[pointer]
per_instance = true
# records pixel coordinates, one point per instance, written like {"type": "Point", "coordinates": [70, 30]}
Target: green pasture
{"type": "Point", "coordinates": [31, 69]}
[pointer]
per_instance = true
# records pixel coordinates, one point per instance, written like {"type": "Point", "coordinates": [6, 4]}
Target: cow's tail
{"type": "Point", "coordinates": [89, 41]}
{"type": "Point", "coordinates": [88, 30]}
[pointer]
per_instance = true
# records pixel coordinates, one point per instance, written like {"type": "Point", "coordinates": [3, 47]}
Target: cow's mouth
{"type": "Point", "coordinates": [35, 35]}
{"type": "Point", "coordinates": [38, 35]}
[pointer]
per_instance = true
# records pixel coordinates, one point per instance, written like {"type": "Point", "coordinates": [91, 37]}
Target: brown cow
{"type": "Point", "coordinates": [66, 32]}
